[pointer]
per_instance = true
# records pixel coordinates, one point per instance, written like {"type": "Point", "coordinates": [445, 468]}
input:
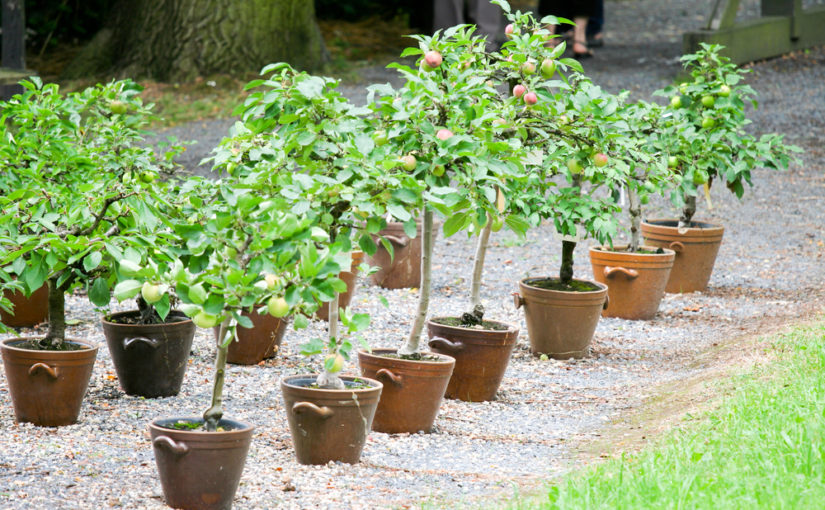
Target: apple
{"type": "Point", "coordinates": [531, 98]}
{"type": "Point", "coordinates": [433, 59]}
{"type": "Point", "coordinates": [508, 30]}
{"type": "Point", "coordinates": [676, 101]}
{"type": "Point", "coordinates": [700, 177]}
{"type": "Point", "coordinates": [271, 281]}
{"type": "Point", "coordinates": [118, 107]}
{"type": "Point", "coordinates": [380, 137]}
{"type": "Point", "coordinates": [334, 363]}
{"type": "Point", "coordinates": [708, 101]}
{"type": "Point", "coordinates": [683, 88]}
{"type": "Point", "coordinates": [600, 160]}
{"type": "Point", "coordinates": [438, 170]}
{"type": "Point", "coordinates": [409, 162]}
{"type": "Point", "coordinates": [564, 119]}
{"type": "Point", "coordinates": [644, 199]}
{"type": "Point", "coordinates": [147, 177]}
{"type": "Point", "coordinates": [528, 68]}
{"type": "Point", "coordinates": [277, 306]}
{"type": "Point", "coordinates": [574, 166]}
{"type": "Point", "coordinates": [708, 122]}
{"type": "Point", "coordinates": [724, 91]}
{"type": "Point", "coordinates": [498, 222]}
{"type": "Point", "coordinates": [150, 292]}
{"type": "Point", "coordinates": [443, 134]}
{"type": "Point", "coordinates": [519, 90]}
{"type": "Point", "coordinates": [672, 161]}
{"type": "Point", "coordinates": [548, 67]}
{"type": "Point", "coordinates": [205, 320]}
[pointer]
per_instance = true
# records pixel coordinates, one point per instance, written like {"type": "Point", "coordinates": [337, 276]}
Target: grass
{"type": "Point", "coordinates": [763, 447]}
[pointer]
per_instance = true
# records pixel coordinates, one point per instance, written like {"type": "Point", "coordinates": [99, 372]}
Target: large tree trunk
{"type": "Point", "coordinates": [172, 40]}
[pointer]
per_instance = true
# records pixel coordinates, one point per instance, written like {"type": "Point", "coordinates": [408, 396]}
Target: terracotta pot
{"type": "Point", "coordinates": [200, 470]}
{"type": "Point", "coordinates": [481, 358]}
{"type": "Point", "coordinates": [403, 270]}
{"type": "Point", "coordinates": [28, 311]}
{"type": "Point", "coordinates": [47, 387]}
{"type": "Point", "coordinates": [412, 390]}
{"type": "Point", "coordinates": [151, 359]}
{"type": "Point", "coordinates": [350, 278]}
{"type": "Point", "coordinates": [255, 344]}
{"type": "Point", "coordinates": [635, 281]}
{"type": "Point", "coordinates": [329, 425]}
{"type": "Point", "coordinates": [696, 248]}
{"type": "Point", "coordinates": [560, 324]}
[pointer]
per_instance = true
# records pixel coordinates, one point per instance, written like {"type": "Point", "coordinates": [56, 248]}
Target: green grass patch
{"type": "Point", "coordinates": [763, 447]}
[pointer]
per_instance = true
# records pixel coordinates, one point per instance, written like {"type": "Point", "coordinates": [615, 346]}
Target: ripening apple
{"type": "Point", "coordinates": [334, 363]}
{"type": "Point", "coordinates": [271, 281]}
{"type": "Point", "coordinates": [574, 166]}
{"type": "Point", "coordinates": [528, 68]}
{"type": "Point", "coordinates": [433, 59]}
{"type": "Point", "coordinates": [676, 101]}
{"type": "Point", "coordinates": [438, 170]}
{"type": "Point", "coordinates": [205, 320]}
{"type": "Point", "coordinates": [548, 68]}
{"type": "Point", "coordinates": [508, 30]}
{"type": "Point", "coordinates": [409, 162]}
{"type": "Point", "coordinates": [708, 101]}
{"type": "Point", "coordinates": [150, 292]}
{"type": "Point", "coordinates": [519, 90]}
{"type": "Point", "coordinates": [277, 306]}
{"type": "Point", "coordinates": [724, 91]}
{"type": "Point", "coordinates": [600, 160]}
{"type": "Point", "coordinates": [531, 98]}
{"type": "Point", "coordinates": [443, 134]}
{"type": "Point", "coordinates": [118, 107]}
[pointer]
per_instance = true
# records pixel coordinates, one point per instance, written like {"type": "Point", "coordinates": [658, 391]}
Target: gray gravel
{"type": "Point", "coordinates": [769, 272]}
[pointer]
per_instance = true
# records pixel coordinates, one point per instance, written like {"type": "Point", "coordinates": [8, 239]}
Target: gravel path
{"type": "Point", "coordinates": [769, 272]}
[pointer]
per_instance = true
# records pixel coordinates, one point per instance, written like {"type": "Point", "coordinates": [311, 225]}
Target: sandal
{"type": "Point", "coordinates": [581, 55]}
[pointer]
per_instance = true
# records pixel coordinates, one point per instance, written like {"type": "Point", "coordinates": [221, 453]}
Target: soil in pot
{"type": "Point", "coordinates": [696, 248]}
{"type": "Point", "coordinates": [481, 354]}
{"type": "Point", "coordinates": [635, 281]}
{"type": "Point", "coordinates": [28, 311]}
{"type": "Point", "coordinates": [47, 386]}
{"type": "Point", "coordinates": [329, 425]}
{"type": "Point", "coordinates": [199, 469]}
{"type": "Point", "coordinates": [561, 323]}
{"type": "Point", "coordinates": [257, 343]}
{"type": "Point", "coordinates": [412, 389]}
{"type": "Point", "coordinates": [150, 359]}
{"type": "Point", "coordinates": [350, 278]}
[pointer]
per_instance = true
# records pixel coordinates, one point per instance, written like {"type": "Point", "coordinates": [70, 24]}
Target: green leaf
{"type": "Point", "coordinates": [127, 289]}
{"type": "Point", "coordinates": [163, 306]}
{"type": "Point", "coordinates": [455, 223]}
{"type": "Point", "coordinates": [92, 260]}
{"type": "Point", "coordinates": [99, 293]}
{"type": "Point", "coordinates": [197, 294]}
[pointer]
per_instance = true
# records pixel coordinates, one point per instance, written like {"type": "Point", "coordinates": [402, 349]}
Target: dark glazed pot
{"type": "Point", "coordinates": [47, 387]}
{"type": "Point", "coordinates": [151, 359]}
{"type": "Point", "coordinates": [481, 358]}
{"type": "Point", "coordinates": [560, 324]}
{"type": "Point", "coordinates": [696, 248]}
{"type": "Point", "coordinates": [257, 343]}
{"type": "Point", "coordinates": [635, 281]}
{"type": "Point", "coordinates": [412, 390]}
{"type": "Point", "coordinates": [403, 270]}
{"type": "Point", "coordinates": [200, 470]}
{"type": "Point", "coordinates": [350, 278]}
{"type": "Point", "coordinates": [329, 425]}
{"type": "Point", "coordinates": [28, 311]}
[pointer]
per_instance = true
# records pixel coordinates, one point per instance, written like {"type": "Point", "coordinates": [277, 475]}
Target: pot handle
{"type": "Point", "coordinates": [610, 272]}
{"type": "Point", "coordinates": [677, 246]}
{"type": "Point", "coordinates": [606, 302]}
{"type": "Point", "coordinates": [151, 342]}
{"type": "Point", "coordinates": [518, 300]}
{"type": "Point", "coordinates": [42, 367]}
{"type": "Point", "coordinates": [442, 343]}
{"type": "Point", "coordinates": [178, 448]}
{"type": "Point", "coordinates": [400, 241]}
{"type": "Point", "coordinates": [308, 407]}
{"type": "Point", "coordinates": [385, 374]}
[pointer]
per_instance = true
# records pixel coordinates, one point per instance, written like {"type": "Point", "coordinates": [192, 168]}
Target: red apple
{"type": "Point", "coordinates": [531, 98]}
{"type": "Point", "coordinates": [600, 160]}
{"type": "Point", "coordinates": [443, 134]}
{"type": "Point", "coordinates": [408, 162]}
{"type": "Point", "coordinates": [433, 59]}
{"type": "Point", "coordinates": [528, 68]}
{"type": "Point", "coordinates": [508, 30]}
{"type": "Point", "coordinates": [519, 90]}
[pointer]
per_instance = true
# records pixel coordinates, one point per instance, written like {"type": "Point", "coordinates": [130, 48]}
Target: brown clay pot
{"type": "Point", "coordinates": [329, 425]}
{"type": "Point", "coordinates": [403, 270]}
{"type": "Point", "coordinates": [200, 470]}
{"type": "Point", "coordinates": [349, 277]}
{"type": "Point", "coordinates": [635, 281]}
{"type": "Point", "coordinates": [47, 387]}
{"type": "Point", "coordinates": [696, 248]}
{"type": "Point", "coordinates": [255, 344]}
{"type": "Point", "coordinates": [481, 358]}
{"type": "Point", "coordinates": [151, 359]}
{"type": "Point", "coordinates": [412, 390]}
{"type": "Point", "coordinates": [28, 311]}
{"type": "Point", "coordinates": [560, 324]}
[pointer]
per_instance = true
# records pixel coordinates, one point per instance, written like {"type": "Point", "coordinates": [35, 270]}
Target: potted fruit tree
{"type": "Point", "coordinates": [706, 141]}
{"type": "Point", "coordinates": [78, 191]}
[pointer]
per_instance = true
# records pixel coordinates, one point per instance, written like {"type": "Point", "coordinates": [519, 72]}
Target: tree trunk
{"type": "Point", "coordinates": [478, 264]}
{"type": "Point", "coordinates": [56, 334]}
{"type": "Point", "coordinates": [213, 415]}
{"type": "Point", "coordinates": [173, 40]}
{"type": "Point", "coordinates": [411, 348]}
{"type": "Point", "coordinates": [566, 269]}
{"type": "Point", "coordinates": [635, 210]}
{"type": "Point", "coordinates": [688, 210]}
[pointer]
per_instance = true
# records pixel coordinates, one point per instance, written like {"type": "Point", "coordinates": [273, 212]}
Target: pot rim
{"type": "Point", "coordinates": [88, 344]}
{"type": "Point", "coordinates": [601, 287]}
{"type": "Point", "coordinates": [245, 427]}
{"type": "Point", "coordinates": [442, 358]}
{"type": "Point", "coordinates": [285, 382]}
{"type": "Point", "coordinates": [695, 225]}
{"type": "Point", "coordinates": [510, 328]}
{"type": "Point", "coordinates": [106, 319]}
{"type": "Point", "coordinates": [619, 252]}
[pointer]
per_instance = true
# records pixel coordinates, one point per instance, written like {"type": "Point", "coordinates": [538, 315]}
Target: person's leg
{"type": "Point", "coordinates": [488, 19]}
{"type": "Point", "coordinates": [595, 25]}
{"type": "Point", "coordinates": [447, 13]}
{"type": "Point", "coordinates": [580, 49]}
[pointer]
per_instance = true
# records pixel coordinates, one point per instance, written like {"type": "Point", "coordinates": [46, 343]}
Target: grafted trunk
{"type": "Point", "coordinates": [57, 315]}
{"type": "Point", "coordinates": [566, 269]}
{"type": "Point", "coordinates": [635, 211]}
{"type": "Point", "coordinates": [688, 211]}
{"type": "Point", "coordinates": [213, 415]}
{"type": "Point", "coordinates": [180, 39]}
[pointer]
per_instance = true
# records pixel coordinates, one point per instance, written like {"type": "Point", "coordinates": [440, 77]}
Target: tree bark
{"type": "Point", "coordinates": [688, 210]}
{"type": "Point", "coordinates": [478, 264]}
{"type": "Point", "coordinates": [566, 269]}
{"type": "Point", "coordinates": [213, 415]}
{"type": "Point", "coordinates": [412, 346]}
{"type": "Point", "coordinates": [635, 211]}
{"type": "Point", "coordinates": [56, 334]}
{"type": "Point", "coordinates": [171, 40]}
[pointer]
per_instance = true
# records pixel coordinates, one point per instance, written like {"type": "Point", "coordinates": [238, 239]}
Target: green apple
{"type": "Point", "coordinates": [408, 162]}
{"type": "Point", "coordinates": [205, 320]}
{"type": "Point", "coordinates": [277, 306]}
{"type": "Point", "coordinates": [150, 292]}
{"type": "Point", "coordinates": [438, 170]}
{"type": "Point", "coordinates": [548, 68]}
{"type": "Point", "coordinates": [118, 107]}
{"type": "Point", "coordinates": [672, 161]}
{"type": "Point", "coordinates": [708, 101]}
{"type": "Point", "coordinates": [676, 101]}
{"type": "Point", "coordinates": [724, 91]}
{"type": "Point", "coordinates": [380, 137]}
{"type": "Point", "coordinates": [334, 363]}
{"type": "Point", "coordinates": [147, 177]}
{"type": "Point", "coordinates": [498, 222]}
{"type": "Point", "coordinates": [700, 177]}
{"type": "Point", "coordinates": [574, 166]}
{"type": "Point", "coordinates": [708, 122]}
{"type": "Point", "coordinates": [600, 159]}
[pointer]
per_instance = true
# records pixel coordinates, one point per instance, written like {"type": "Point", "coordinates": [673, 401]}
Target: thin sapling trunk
{"type": "Point", "coordinates": [688, 211]}
{"type": "Point", "coordinates": [326, 379]}
{"type": "Point", "coordinates": [476, 315]}
{"type": "Point", "coordinates": [414, 340]}
{"type": "Point", "coordinates": [213, 415]}
{"type": "Point", "coordinates": [635, 210]}
{"type": "Point", "coordinates": [56, 334]}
